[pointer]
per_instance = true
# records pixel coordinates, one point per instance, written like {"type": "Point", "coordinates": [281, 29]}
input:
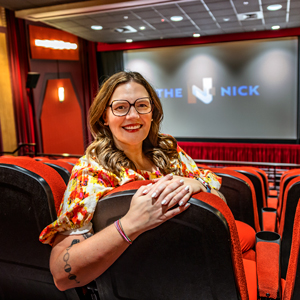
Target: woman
{"type": "Point", "coordinates": [124, 119]}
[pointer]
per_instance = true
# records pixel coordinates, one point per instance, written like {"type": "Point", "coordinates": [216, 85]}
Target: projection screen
{"type": "Point", "coordinates": [245, 89]}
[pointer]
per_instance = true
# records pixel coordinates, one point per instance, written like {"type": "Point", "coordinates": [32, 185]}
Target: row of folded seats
{"type": "Point", "coordinates": [196, 255]}
{"type": "Point", "coordinates": [276, 219]}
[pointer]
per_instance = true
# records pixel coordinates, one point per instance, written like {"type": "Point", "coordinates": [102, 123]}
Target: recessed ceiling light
{"type": "Point", "coordinates": [246, 2]}
{"type": "Point", "coordinates": [125, 17]}
{"type": "Point", "coordinates": [226, 19]}
{"type": "Point", "coordinates": [196, 34]}
{"type": "Point", "coordinates": [275, 27]}
{"type": "Point", "coordinates": [176, 18]}
{"type": "Point", "coordinates": [274, 7]}
{"type": "Point", "coordinates": [129, 41]}
{"type": "Point", "coordinates": [142, 28]}
{"type": "Point", "coordinates": [96, 27]}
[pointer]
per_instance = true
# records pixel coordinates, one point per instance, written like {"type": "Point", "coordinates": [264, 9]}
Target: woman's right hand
{"type": "Point", "coordinates": [146, 209]}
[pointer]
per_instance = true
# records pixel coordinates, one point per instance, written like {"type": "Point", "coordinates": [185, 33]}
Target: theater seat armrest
{"type": "Point", "coordinates": [272, 202]}
{"type": "Point", "coordinates": [269, 219]}
{"type": "Point", "coordinates": [268, 264]}
{"type": "Point", "coordinates": [273, 193]}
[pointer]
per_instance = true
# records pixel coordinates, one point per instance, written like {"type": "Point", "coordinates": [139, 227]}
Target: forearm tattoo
{"type": "Point", "coordinates": [66, 257]}
{"type": "Point", "coordinates": [87, 235]}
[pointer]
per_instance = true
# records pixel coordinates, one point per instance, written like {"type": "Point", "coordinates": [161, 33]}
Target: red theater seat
{"type": "Point", "coordinates": [258, 184]}
{"type": "Point", "coordinates": [57, 185]}
{"type": "Point", "coordinates": [265, 178]}
{"type": "Point", "coordinates": [64, 169]}
{"type": "Point", "coordinates": [284, 181]}
{"type": "Point", "coordinates": [287, 222]}
{"type": "Point", "coordinates": [28, 189]}
{"type": "Point", "coordinates": [291, 287]}
{"type": "Point", "coordinates": [240, 195]}
{"type": "Point", "coordinates": [196, 255]}
{"type": "Point", "coordinates": [60, 163]}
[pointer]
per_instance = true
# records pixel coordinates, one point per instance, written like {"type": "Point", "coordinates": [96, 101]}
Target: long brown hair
{"type": "Point", "coordinates": [160, 149]}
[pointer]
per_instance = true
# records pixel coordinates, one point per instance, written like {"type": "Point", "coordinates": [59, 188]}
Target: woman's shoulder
{"type": "Point", "coordinates": [88, 162]}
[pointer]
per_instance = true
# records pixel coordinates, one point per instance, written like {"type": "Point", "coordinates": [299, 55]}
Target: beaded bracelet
{"type": "Point", "coordinates": [208, 188]}
{"type": "Point", "coordinates": [121, 231]}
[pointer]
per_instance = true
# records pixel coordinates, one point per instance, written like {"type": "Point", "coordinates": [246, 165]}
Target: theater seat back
{"type": "Point", "coordinates": [289, 205]}
{"type": "Point", "coordinates": [258, 184]}
{"type": "Point", "coordinates": [64, 173]}
{"type": "Point", "coordinates": [27, 206]}
{"type": "Point", "coordinates": [240, 195]}
{"type": "Point", "coordinates": [292, 286]}
{"type": "Point", "coordinates": [265, 179]}
{"type": "Point", "coordinates": [284, 181]}
{"type": "Point", "coordinates": [188, 257]}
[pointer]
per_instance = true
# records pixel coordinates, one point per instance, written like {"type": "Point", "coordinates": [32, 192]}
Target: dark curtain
{"type": "Point", "coordinates": [19, 66]}
{"type": "Point", "coordinates": [90, 80]}
{"type": "Point", "coordinates": [109, 63]}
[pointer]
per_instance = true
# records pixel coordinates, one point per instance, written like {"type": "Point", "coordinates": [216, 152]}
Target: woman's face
{"type": "Point", "coordinates": [132, 129]}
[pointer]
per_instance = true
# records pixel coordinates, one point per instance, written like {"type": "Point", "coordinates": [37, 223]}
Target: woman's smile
{"type": "Point", "coordinates": [132, 127]}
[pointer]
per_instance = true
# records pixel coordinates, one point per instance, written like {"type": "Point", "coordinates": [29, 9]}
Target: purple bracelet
{"type": "Point", "coordinates": [122, 233]}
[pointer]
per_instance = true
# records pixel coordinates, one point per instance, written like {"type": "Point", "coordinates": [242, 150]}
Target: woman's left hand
{"type": "Point", "coordinates": [190, 184]}
{"type": "Point", "coordinates": [194, 186]}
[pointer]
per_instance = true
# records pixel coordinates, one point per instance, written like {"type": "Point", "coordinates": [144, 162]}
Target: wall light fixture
{"type": "Point", "coordinates": [61, 94]}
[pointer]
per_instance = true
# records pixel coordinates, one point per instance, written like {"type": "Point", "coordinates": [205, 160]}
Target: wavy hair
{"type": "Point", "coordinates": [160, 149]}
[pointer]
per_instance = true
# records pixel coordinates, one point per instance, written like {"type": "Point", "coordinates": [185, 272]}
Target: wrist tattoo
{"type": "Point", "coordinates": [67, 266]}
{"type": "Point", "coordinates": [87, 235]}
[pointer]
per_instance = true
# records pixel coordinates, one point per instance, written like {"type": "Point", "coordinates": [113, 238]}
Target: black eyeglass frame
{"type": "Point", "coordinates": [130, 105]}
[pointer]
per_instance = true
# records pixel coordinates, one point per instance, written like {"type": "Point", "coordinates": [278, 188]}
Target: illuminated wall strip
{"type": "Point", "coordinates": [54, 44]}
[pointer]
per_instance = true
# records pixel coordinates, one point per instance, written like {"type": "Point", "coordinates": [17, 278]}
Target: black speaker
{"type": "Point", "coordinates": [32, 79]}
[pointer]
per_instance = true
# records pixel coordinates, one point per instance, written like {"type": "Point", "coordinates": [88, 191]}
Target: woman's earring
{"type": "Point", "coordinates": [105, 124]}
{"type": "Point", "coordinates": [151, 120]}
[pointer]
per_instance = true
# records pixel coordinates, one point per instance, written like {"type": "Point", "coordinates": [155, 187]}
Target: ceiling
{"type": "Point", "coordinates": [122, 19]}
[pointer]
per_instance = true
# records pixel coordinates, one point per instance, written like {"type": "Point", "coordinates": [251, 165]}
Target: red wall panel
{"type": "Point", "coordinates": [61, 122]}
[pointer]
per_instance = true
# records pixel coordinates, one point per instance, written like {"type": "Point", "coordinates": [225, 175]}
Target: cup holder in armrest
{"type": "Point", "coordinates": [268, 264]}
{"type": "Point", "coordinates": [269, 219]}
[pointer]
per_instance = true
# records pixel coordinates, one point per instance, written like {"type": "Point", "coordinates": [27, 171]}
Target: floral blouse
{"type": "Point", "coordinates": [89, 182]}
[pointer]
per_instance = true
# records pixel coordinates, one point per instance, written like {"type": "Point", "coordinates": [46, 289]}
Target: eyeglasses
{"type": "Point", "coordinates": [121, 108]}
